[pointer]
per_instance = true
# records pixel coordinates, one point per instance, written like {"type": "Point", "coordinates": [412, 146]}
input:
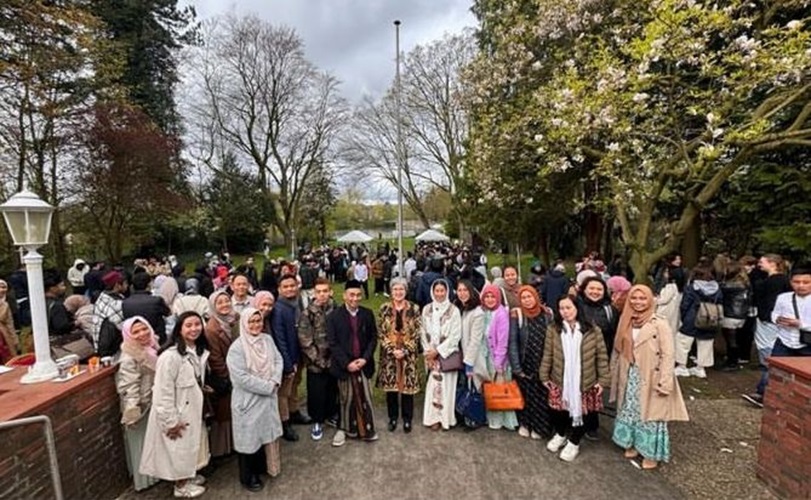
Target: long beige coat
{"type": "Point", "coordinates": [176, 398]}
{"type": "Point", "coordinates": [134, 381]}
{"type": "Point", "coordinates": [474, 345]}
{"type": "Point", "coordinates": [660, 396]}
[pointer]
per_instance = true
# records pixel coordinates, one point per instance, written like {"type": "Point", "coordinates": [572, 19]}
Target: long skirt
{"type": "Point", "coordinates": [651, 439]}
{"type": "Point", "coordinates": [535, 415]}
{"type": "Point", "coordinates": [440, 399]}
{"type": "Point", "coordinates": [133, 445]}
{"type": "Point", "coordinates": [357, 417]}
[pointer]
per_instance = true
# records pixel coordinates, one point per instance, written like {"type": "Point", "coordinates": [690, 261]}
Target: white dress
{"type": "Point", "coordinates": [440, 391]}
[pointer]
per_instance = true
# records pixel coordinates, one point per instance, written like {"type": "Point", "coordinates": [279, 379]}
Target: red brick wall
{"type": "Point", "coordinates": [784, 453]}
{"type": "Point", "coordinates": [89, 444]}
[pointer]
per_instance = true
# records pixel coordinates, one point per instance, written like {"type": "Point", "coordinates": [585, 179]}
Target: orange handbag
{"type": "Point", "coordinates": [503, 396]}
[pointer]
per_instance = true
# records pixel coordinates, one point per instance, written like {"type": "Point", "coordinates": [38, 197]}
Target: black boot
{"type": "Point", "coordinates": [245, 473]}
{"type": "Point", "coordinates": [299, 418]}
{"type": "Point", "coordinates": [288, 433]}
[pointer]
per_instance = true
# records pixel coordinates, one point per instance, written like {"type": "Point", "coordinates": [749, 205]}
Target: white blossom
{"type": "Point", "coordinates": [640, 97]}
{"type": "Point", "coordinates": [613, 147]}
{"type": "Point", "coordinates": [794, 24]}
{"type": "Point", "coordinates": [538, 137]}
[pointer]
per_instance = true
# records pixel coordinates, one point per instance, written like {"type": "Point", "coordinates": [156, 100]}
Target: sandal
{"type": "Point", "coordinates": [631, 453]}
{"type": "Point", "coordinates": [649, 464]}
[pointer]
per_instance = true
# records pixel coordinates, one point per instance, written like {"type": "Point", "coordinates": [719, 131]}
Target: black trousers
{"type": "Point", "coordinates": [379, 285]}
{"type": "Point", "coordinates": [745, 336]}
{"type": "Point", "coordinates": [562, 424]}
{"type": "Point", "coordinates": [251, 464]}
{"type": "Point", "coordinates": [731, 340]}
{"type": "Point", "coordinates": [322, 396]}
{"type": "Point", "coordinates": [393, 404]}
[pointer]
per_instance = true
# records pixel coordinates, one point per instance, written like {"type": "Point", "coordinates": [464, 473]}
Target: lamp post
{"type": "Point", "coordinates": [400, 156]}
{"type": "Point", "coordinates": [28, 219]}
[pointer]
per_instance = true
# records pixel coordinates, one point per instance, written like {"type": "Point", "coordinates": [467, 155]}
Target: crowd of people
{"type": "Point", "coordinates": [210, 363]}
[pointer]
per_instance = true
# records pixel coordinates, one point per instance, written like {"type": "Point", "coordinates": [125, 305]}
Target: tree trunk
{"type": "Point", "coordinates": [691, 244]}
{"type": "Point", "coordinates": [608, 241]}
{"type": "Point", "coordinates": [542, 248]}
{"type": "Point", "coordinates": [640, 265]}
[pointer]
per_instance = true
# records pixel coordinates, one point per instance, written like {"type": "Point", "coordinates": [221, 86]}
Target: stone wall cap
{"type": "Point", "coordinates": [797, 365]}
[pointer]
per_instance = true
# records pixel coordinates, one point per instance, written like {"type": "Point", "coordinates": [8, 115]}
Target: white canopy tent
{"type": "Point", "coordinates": [355, 237]}
{"type": "Point", "coordinates": [432, 235]}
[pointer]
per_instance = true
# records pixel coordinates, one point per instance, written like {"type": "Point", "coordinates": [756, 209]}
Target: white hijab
{"type": "Point", "coordinates": [438, 309]}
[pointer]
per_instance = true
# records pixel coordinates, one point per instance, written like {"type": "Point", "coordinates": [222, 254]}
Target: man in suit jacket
{"type": "Point", "coordinates": [143, 303]}
{"type": "Point", "coordinates": [352, 336]}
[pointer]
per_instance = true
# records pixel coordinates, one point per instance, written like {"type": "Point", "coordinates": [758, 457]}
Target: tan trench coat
{"type": "Point", "coordinates": [660, 396]}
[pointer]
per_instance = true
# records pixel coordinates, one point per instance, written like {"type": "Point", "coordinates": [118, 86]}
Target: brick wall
{"type": "Point", "coordinates": [89, 444]}
{"type": "Point", "coordinates": [784, 456]}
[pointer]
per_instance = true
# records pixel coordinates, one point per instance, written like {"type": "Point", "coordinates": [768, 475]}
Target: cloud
{"type": "Point", "coordinates": [355, 39]}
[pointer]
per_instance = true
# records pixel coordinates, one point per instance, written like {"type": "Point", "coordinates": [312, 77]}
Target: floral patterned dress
{"type": "Point", "coordinates": [398, 375]}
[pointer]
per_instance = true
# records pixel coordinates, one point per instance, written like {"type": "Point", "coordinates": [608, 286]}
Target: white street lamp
{"type": "Point", "coordinates": [28, 219]}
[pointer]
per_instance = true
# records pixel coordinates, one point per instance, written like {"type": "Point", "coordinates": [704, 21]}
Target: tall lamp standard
{"type": "Point", "coordinates": [28, 219]}
{"type": "Point", "coordinates": [400, 156]}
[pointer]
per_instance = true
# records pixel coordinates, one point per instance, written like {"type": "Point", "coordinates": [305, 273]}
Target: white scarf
{"type": "Point", "coordinates": [438, 309]}
{"type": "Point", "coordinates": [572, 398]}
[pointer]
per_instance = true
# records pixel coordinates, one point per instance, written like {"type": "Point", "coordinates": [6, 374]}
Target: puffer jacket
{"type": "Point", "coordinates": [593, 357]}
{"type": "Point", "coordinates": [697, 292]}
{"type": "Point", "coordinates": [737, 300]}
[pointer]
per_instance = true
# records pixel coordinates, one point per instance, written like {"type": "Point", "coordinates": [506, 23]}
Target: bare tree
{"type": "Point", "coordinates": [370, 146]}
{"type": "Point", "coordinates": [261, 97]}
{"type": "Point", "coordinates": [434, 125]}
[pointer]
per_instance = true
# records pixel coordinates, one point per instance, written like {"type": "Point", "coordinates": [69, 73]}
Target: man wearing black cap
{"type": "Point", "coordinates": [352, 336]}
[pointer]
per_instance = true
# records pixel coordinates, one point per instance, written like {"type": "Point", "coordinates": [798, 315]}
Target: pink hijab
{"type": "Point", "coordinates": [152, 349]}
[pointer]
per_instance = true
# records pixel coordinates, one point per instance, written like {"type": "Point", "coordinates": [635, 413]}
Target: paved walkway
{"type": "Point", "coordinates": [454, 464]}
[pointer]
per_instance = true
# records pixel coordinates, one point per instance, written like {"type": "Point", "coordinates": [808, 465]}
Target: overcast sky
{"type": "Point", "coordinates": [354, 39]}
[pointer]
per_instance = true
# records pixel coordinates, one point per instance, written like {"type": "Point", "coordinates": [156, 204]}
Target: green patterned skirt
{"type": "Point", "coordinates": [651, 438]}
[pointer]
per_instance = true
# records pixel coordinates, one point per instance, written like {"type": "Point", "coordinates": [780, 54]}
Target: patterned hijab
{"type": "Point", "coordinates": [257, 355]}
{"type": "Point", "coordinates": [630, 319]}
{"type": "Point", "coordinates": [228, 320]}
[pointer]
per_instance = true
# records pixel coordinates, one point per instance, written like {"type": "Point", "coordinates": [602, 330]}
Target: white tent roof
{"type": "Point", "coordinates": [355, 237]}
{"type": "Point", "coordinates": [432, 235]}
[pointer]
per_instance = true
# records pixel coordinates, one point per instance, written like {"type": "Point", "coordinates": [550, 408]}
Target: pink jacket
{"type": "Point", "coordinates": [498, 337]}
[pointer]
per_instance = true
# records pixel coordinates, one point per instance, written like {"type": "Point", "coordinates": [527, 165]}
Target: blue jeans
{"type": "Point", "coordinates": [779, 350]}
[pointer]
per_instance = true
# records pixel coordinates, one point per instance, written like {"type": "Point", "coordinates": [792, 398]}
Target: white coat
{"type": "Point", "coordinates": [667, 306]}
{"type": "Point", "coordinates": [254, 401]}
{"type": "Point", "coordinates": [176, 398]}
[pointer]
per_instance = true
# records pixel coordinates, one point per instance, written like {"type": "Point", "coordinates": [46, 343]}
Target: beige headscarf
{"type": "Point", "coordinates": [630, 319]}
{"type": "Point", "coordinates": [257, 355]}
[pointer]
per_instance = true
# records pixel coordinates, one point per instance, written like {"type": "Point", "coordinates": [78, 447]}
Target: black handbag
{"type": "Point", "coordinates": [805, 333]}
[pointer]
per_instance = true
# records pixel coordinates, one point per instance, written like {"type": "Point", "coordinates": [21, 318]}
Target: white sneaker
{"type": "Point", "coordinates": [534, 435]}
{"type": "Point", "coordinates": [189, 490]}
{"type": "Point", "coordinates": [570, 452]}
{"type": "Point", "coordinates": [339, 439]}
{"type": "Point", "coordinates": [556, 442]}
{"type": "Point", "coordinates": [199, 480]}
{"type": "Point", "coordinates": [523, 432]}
{"type": "Point", "coordinates": [681, 371]}
{"type": "Point", "coordinates": [698, 371]}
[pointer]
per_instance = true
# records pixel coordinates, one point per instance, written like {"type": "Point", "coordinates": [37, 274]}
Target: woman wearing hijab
{"type": "Point", "coordinates": [264, 301]}
{"type": "Point", "coordinates": [221, 332]}
{"type": "Point", "coordinates": [134, 381]}
{"type": "Point", "coordinates": [176, 442]}
{"type": "Point", "coordinates": [527, 338]}
{"type": "Point", "coordinates": [8, 333]}
{"type": "Point", "coordinates": [474, 340]}
{"type": "Point", "coordinates": [441, 331]}
{"type": "Point", "coordinates": [644, 384]}
{"type": "Point", "coordinates": [398, 331]}
{"type": "Point", "coordinates": [575, 371]}
{"type": "Point", "coordinates": [497, 328]}
{"type": "Point", "coordinates": [255, 366]}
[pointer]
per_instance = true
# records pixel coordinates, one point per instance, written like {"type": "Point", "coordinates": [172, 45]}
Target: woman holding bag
{"type": "Point", "coordinates": [134, 381]}
{"type": "Point", "coordinates": [441, 331]}
{"type": "Point", "coordinates": [527, 337]}
{"type": "Point", "coordinates": [644, 384]}
{"type": "Point", "coordinates": [255, 366]}
{"type": "Point", "coordinates": [497, 327]}
{"type": "Point", "coordinates": [575, 370]}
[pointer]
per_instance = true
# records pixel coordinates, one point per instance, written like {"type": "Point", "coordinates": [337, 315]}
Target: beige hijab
{"type": "Point", "coordinates": [257, 354]}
